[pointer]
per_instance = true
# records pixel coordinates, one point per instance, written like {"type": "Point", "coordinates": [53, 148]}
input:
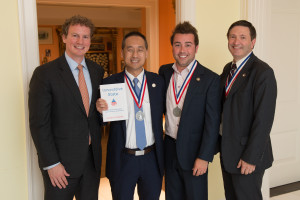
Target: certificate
{"type": "Point", "coordinates": [115, 96]}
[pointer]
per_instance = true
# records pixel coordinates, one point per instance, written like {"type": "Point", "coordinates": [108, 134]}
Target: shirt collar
{"type": "Point", "coordinates": [238, 63]}
{"type": "Point", "coordinates": [72, 64]}
{"type": "Point", "coordinates": [187, 69]}
{"type": "Point", "coordinates": [139, 77]}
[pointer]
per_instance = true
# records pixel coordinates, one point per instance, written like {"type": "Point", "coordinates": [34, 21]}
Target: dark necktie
{"type": "Point", "coordinates": [231, 73]}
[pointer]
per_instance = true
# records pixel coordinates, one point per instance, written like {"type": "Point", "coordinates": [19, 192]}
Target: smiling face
{"type": "Point", "coordinates": [239, 42]}
{"type": "Point", "coordinates": [184, 50]}
{"type": "Point", "coordinates": [134, 54]}
{"type": "Point", "coordinates": [77, 42]}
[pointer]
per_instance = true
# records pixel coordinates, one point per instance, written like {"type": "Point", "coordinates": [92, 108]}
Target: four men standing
{"type": "Point", "coordinates": [65, 125]}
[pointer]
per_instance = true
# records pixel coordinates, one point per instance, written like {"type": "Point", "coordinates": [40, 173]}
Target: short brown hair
{"type": "Point", "coordinates": [245, 24]}
{"type": "Point", "coordinates": [185, 28]}
{"type": "Point", "coordinates": [77, 19]}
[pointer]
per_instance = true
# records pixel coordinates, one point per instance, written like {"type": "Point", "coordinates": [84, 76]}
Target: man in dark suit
{"type": "Point", "coordinates": [64, 122]}
{"type": "Point", "coordinates": [192, 118]}
{"type": "Point", "coordinates": [249, 98]}
{"type": "Point", "coordinates": [128, 161]}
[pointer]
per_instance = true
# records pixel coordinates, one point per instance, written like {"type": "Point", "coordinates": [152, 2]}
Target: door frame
{"type": "Point", "coordinates": [30, 60]}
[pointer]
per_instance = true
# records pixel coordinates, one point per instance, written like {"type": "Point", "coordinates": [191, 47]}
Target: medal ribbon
{"type": "Point", "coordinates": [184, 85]}
{"type": "Point", "coordinates": [138, 98]}
{"type": "Point", "coordinates": [229, 84]}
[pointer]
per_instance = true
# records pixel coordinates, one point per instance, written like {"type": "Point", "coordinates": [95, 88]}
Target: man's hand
{"type": "Point", "coordinates": [101, 105]}
{"type": "Point", "coordinates": [58, 175]}
{"type": "Point", "coordinates": [200, 167]}
{"type": "Point", "coordinates": [246, 168]}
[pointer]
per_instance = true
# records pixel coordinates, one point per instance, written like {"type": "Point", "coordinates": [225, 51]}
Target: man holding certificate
{"type": "Point", "coordinates": [192, 118]}
{"type": "Point", "coordinates": [135, 145]}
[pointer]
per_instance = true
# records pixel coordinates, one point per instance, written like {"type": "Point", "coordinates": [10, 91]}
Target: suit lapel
{"type": "Point", "coordinates": [168, 74]}
{"type": "Point", "coordinates": [194, 84]}
{"type": "Point", "coordinates": [151, 90]}
{"type": "Point", "coordinates": [94, 81]}
{"type": "Point", "coordinates": [68, 77]}
{"type": "Point", "coordinates": [240, 79]}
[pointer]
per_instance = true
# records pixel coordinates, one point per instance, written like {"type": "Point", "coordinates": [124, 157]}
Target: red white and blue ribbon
{"type": "Point", "coordinates": [229, 84]}
{"type": "Point", "coordinates": [178, 95]}
{"type": "Point", "coordinates": [138, 98]}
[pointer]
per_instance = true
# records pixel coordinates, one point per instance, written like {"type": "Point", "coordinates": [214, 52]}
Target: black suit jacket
{"type": "Point", "coordinates": [58, 122]}
{"type": "Point", "coordinates": [117, 133]}
{"type": "Point", "coordinates": [200, 118]}
{"type": "Point", "coordinates": [248, 114]}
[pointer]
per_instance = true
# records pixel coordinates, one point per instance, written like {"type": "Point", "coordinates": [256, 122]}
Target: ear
{"type": "Point", "coordinates": [196, 49]}
{"type": "Point", "coordinates": [64, 38]}
{"type": "Point", "coordinates": [253, 43]}
{"type": "Point", "coordinates": [122, 54]}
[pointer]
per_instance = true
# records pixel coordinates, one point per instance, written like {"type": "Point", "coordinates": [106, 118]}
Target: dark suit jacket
{"type": "Point", "coordinates": [117, 133]}
{"type": "Point", "coordinates": [200, 118]}
{"type": "Point", "coordinates": [58, 122]}
{"type": "Point", "coordinates": [248, 114]}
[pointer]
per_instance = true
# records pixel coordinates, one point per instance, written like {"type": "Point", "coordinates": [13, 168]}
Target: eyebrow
{"type": "Point", "coordinates": [184, 42]}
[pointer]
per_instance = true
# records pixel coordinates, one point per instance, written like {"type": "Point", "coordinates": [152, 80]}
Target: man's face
{"type": "Point", "coordinates": [134, 53]}
{"type": "Point", "coordinates": [239, 42]}
{"type": "Point", "coordinates": [184, 49]}
{"type": "Point", "coordinates": [77, 41]}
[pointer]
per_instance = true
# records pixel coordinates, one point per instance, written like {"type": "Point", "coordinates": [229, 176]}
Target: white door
{"type": "Point", "coordinates": [284, 54]}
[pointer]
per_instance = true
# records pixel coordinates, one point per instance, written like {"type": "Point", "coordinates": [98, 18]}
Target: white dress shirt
{"type": "Point", "coordinates": [130, 122]}
{"type": "Point", "coordinates": [172, 122]}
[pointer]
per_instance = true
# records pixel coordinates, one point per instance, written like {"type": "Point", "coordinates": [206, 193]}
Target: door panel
{"type": "Point", "coordinates": [285, 60]}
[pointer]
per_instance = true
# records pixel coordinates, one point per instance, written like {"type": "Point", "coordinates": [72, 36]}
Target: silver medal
{"type": "Point", "coordinates": [177, 112]}
{"type": "Point", "coordinates": [139, 116]}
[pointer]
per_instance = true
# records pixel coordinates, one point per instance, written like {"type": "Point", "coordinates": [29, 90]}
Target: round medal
{"type": "Point", "coordinates": [177, 112]}
{"type": "Point", "coordinates": [139, 116]}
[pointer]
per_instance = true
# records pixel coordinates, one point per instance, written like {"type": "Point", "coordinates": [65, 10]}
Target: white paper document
{"type": "Point", "coordinates": [115, 96]}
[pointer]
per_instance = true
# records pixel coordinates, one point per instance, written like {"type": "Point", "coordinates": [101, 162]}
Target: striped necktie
{"type": "Point", "coordinates": [83, 90]}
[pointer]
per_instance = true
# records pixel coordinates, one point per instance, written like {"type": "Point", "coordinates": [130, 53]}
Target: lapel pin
{"type": "Point", "coordinates": [244, 75]}
{"type": "Point", "coordinates": [153, 85]}
{"type": "Point", "coordinates": [198, 79]}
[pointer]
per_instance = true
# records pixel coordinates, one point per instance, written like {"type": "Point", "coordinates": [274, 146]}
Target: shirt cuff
{"type": "Point", "coordinates": [51, 166]}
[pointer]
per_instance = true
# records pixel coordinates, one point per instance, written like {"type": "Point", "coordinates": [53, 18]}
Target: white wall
{"type": "Point", "coordinates": [13, 170]}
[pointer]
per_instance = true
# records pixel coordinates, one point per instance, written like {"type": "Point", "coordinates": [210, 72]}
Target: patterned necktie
{"type": "Point", "coordinates": [83, 90]}
{"type": "Point", "coordinates": [231, 73]}
{"type": "Point", "coordinates": [139, 124]}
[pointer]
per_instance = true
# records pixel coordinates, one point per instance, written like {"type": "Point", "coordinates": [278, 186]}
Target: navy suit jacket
{"type": "Point", "coordinates": [117, 133]}
{"type": "Point", "coordinates": [59, 125]}
{"type": "Point", "coordinates": [248, 114]}
{"type": "Point", "coordinates": [200, 118]}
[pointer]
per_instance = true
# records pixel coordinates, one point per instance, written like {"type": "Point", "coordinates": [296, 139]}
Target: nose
{"type": "Point", "coordinates": [235, 41]}
{"type": "Point", "coordinates": [80, 40]}
{"type": "Point", "coordinates": [182, 48]}
{"type": "Point", "coordinates": [135, 52]}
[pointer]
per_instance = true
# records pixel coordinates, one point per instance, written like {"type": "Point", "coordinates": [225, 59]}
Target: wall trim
{"type": "Point", "coordinates": [29, 60]}
{"type": "Point", "coordinates": [258, 13]}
